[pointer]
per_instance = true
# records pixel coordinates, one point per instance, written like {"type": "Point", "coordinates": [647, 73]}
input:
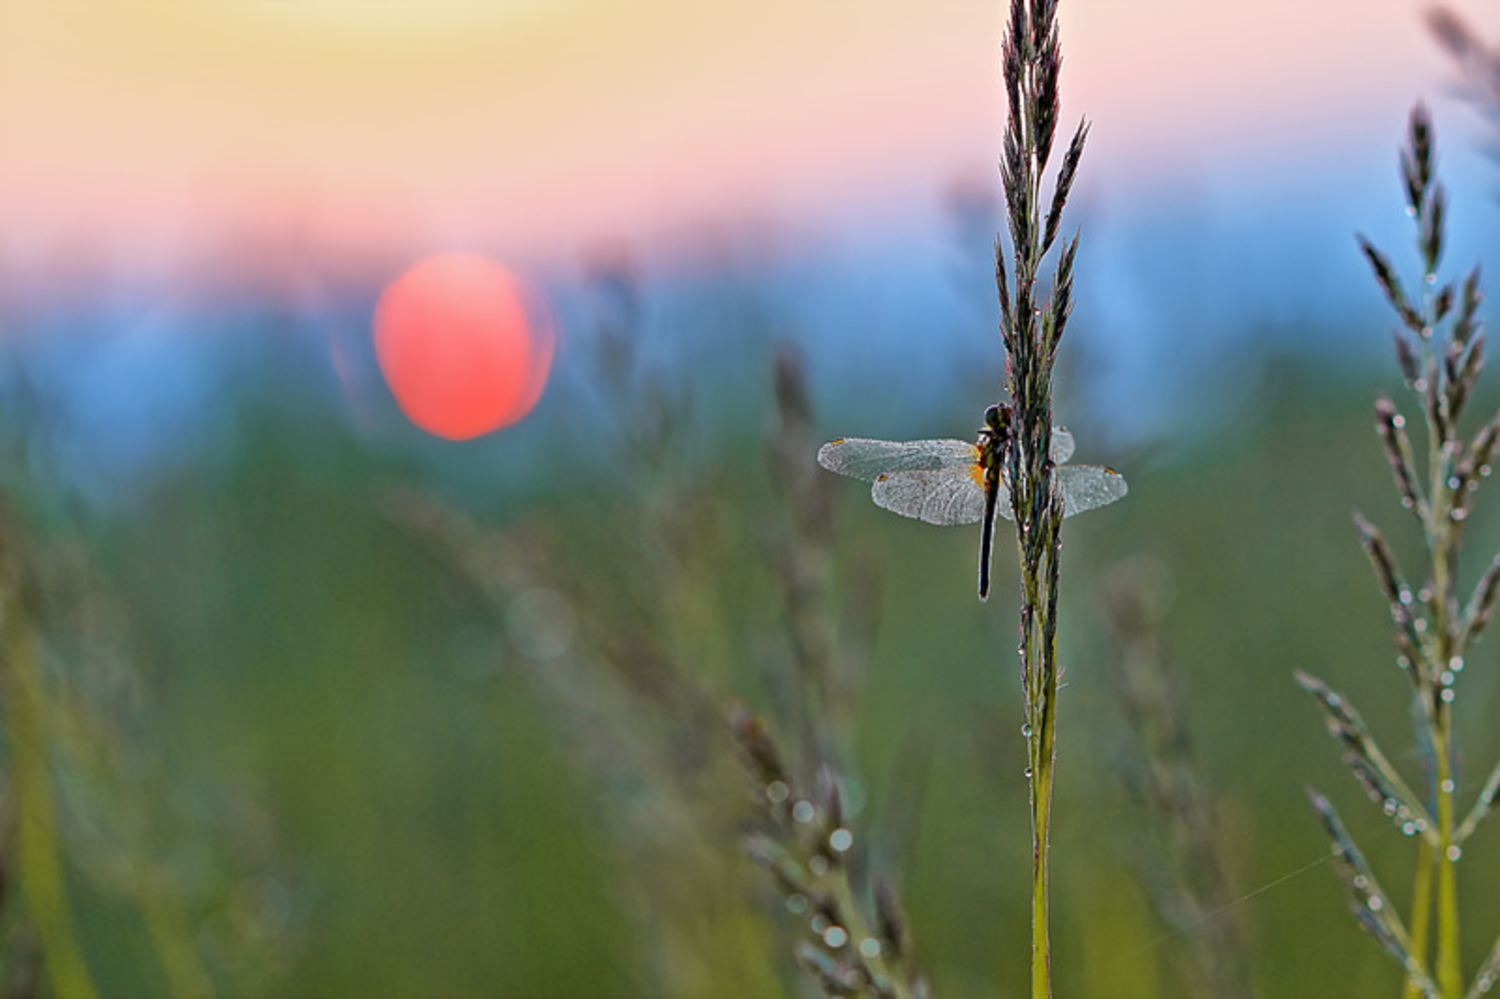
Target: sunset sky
{"type": "Point", "coordinates": [151, 136]}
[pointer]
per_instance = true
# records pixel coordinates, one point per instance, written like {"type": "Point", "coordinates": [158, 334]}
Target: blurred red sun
{"type": "Point", "coordinates": [459, 347]}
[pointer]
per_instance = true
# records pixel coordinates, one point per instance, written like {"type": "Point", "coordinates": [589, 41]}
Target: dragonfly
{"type": "Point", "coordinates": [955, 482]}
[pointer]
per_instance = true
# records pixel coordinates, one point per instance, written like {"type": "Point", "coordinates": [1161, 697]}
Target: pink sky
{"type": "Point", "coordinates": [162, 134]}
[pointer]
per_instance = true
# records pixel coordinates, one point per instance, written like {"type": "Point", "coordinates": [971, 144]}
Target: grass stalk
{"type": "Point", "coordinates": [1440, 353]}
{"type": "Point", "coordinates": [1449, 975]}
{"type": "Point", "coordinates": [1421, 910]}
{"type": "Point", "coordinates": [1031, 330]}
{"type": "Point", "coordinates": [1442, 530]}
{"type": "Point", "coordinates": [1041, 957]}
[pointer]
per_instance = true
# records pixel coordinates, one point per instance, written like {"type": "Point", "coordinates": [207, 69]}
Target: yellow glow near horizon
{"type": "Point", "coordinates": [425, 17]}
{"type": "Point", "coordinates": [552, 123]}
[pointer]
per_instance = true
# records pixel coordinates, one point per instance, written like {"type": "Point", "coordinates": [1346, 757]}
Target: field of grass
{"type": "Point", "coordinates": [671, 711]}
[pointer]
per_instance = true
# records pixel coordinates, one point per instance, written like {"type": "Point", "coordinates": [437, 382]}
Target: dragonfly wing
{"type": "Point", "coordinates": [1085, 487]}
{"type": "Point", "coordinates": [869, 459]}
{"type": "Point", "coordinates": [1062, 445]}
{"type": "Point", "coordinates": [938, 496]}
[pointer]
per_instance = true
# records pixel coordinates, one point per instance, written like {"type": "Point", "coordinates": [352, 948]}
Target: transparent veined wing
{"type": "Point", "coordinates": [1087, 487]}
{"type": "Point", "coordinates": [953, 495]}
{"type": "Point", "coordinates": [869, 459]}
{"type": "Point", "coordinates": [1084, 487]}
{"type": "Point", "coordinates": [1062, 445]}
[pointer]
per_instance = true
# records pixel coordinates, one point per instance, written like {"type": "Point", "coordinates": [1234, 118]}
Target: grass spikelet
{"type": "Point", "coordinates": [1385, 276]}
{"type": "Point", "coordinates": [1367, 900]}
{"type": "Point", "coordinates": [1371, 767]}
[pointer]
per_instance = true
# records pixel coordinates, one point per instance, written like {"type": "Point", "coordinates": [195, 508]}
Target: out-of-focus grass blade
{"type": "Point", "coordinates": [1482, 807]}
{"type": "Point", "coordinates": [835, 978]}
{"type": "Point", "coordinates": [1481, 604]}
{"type": "Point", "coordinates": [1369, 903]}
{"type": "Point", "coordinates": [1488, 976]}
{"type": "Point", "coordinates": [1397, 592]}
{"type": "Point", "coordinates": [1385, 276]}
{"type": "Point", "coordinates": [1371, 768]}
{"type": "Point", "coordinates": [1416, 159]}
{"type": "Point", "coordinates": [1391, 426]}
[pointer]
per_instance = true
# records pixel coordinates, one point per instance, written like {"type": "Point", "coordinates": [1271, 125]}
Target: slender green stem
{"type": "Point", "coordinates": [1441, 532]}
{"type": "Point", "coordinates": [1041, 677]}
{"type": "Point", "coordinates": [1449, 975]}
{"type": "Point", "coordinates": [1041, 822]}
{"type": "Point", "coordinates": [1421, 911]}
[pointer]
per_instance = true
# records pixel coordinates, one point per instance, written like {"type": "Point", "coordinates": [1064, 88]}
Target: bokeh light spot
{"type": "Point", "coordinates": [462, 346]}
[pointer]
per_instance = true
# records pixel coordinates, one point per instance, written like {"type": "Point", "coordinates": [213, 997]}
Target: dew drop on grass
{"type": "Point", "coordinates": [1375, 903]}
{"type": "Point", "coordinates": [1027, 771]}
{"type": "Point", "coordinates": [1453, 854]}
{"type": "Point", "coordinates": [819, 923]}
{"type": "Point", "coordinates": [803, 811]}
{"type": "Point", "coordinates": [1456, 664]}
{"type": "Point", "coordinates": [796, 904]}
{"type": "Point", "coordinates": [1361, 882]}
{"type": "Point", "coordinates": [869, 947]}
{"type": "Point", "coordinates": [1397, 420]}
{"type": "Point", "coordinates": [1448, 787]}
{"type": "Point", "coordinates": [1389, 806]}
{"type": "Point", "coordinates": [1447, 695]}
{"type": "Point", "coordinates": [1446, 678]}
{"type": "Point", "coordinates": [840, 840]}
{"type": "Point", "coordinates": [1459, 514]}
{"type": "Point", "coordinates": [1409, 829]}
{"type": "Point", "coordinates": [1454, 482]}
{"type": "Point", "coordinates": [1484, 471]}
{"type": "Point", "coordinates": [1026, 731]}
{"type": "Point", "coordinates": [777, 791]}
{"type": "Point", "coordinates": [1403, 662]}
{"type": "Point", "coordinates": [835, 936]}
{"type": "Point", "coordinates": [1404, 594]}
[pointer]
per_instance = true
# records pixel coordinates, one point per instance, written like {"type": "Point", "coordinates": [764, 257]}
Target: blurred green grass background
{"type": "Point", "coordinates": [379, 738]}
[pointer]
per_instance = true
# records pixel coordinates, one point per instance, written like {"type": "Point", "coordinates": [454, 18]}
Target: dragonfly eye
{"type": "Point", "coordinates": [998, 419]}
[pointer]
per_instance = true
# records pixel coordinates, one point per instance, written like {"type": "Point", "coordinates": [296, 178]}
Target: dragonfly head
{"type": "Point", "coordinates": [995, 435]}
{"type": "Point", "coordinates": [997, 420]}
